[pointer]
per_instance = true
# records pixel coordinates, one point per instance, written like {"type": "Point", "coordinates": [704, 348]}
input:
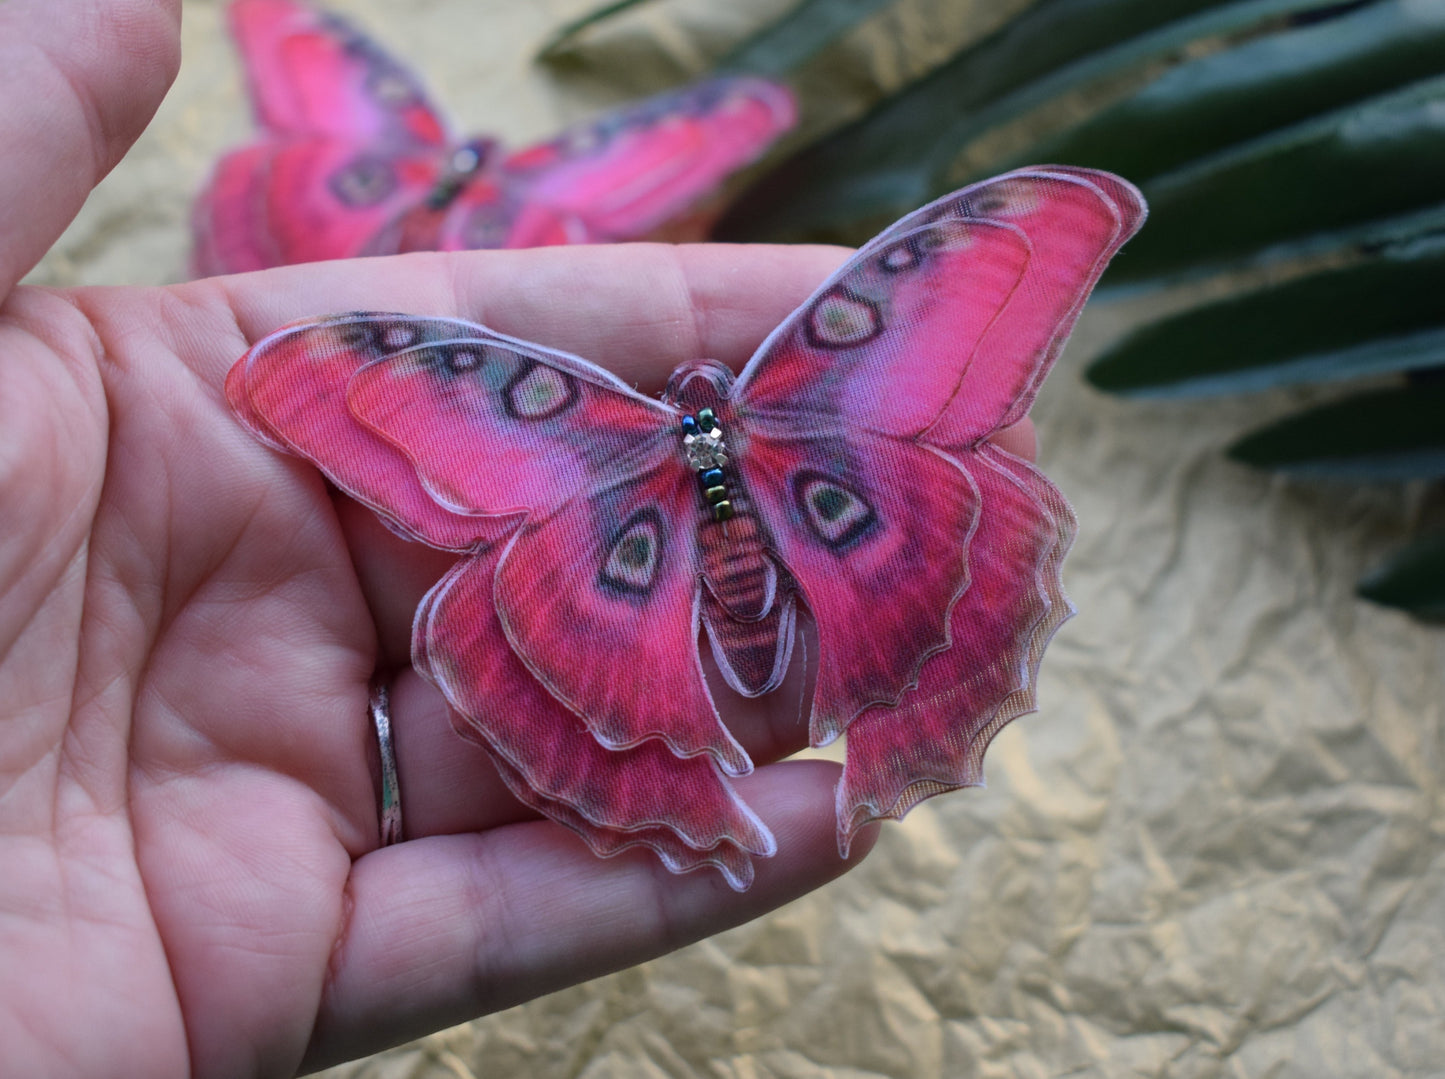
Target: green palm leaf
{"type": "Point", "coordinates": [899, 154]}
{"type": "Point", "coordinates": [1380, 317]}
{"type": "Point", "coordinates": [1413, 579]}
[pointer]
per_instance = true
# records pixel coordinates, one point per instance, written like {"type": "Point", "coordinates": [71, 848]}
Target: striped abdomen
{"type": "Point", "coordinates": [749, 623]}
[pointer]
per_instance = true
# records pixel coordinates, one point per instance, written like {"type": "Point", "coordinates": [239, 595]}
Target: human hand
{"type": "Point", "coordinates": [189, 621]}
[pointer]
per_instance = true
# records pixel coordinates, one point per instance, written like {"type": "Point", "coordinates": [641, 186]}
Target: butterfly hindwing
{"type": "Point", "coordinates": [614, 577]}
{"type": "Point", "coordinates": [874, 530]}
{"type": "Point", "coordinates": [644, 793]}
{"type": "Point", "coordinates": [934, 740]}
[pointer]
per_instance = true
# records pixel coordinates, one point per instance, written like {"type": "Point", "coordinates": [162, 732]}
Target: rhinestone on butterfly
{"type": "Point", "coordinates": [705, 450]}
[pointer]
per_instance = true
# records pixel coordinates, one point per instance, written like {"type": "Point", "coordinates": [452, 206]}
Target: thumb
{"type": "Point", "coordinates": [79, 81]}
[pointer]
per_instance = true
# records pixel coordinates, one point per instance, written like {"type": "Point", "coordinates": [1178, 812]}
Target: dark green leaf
{"type": "Point", "coordinates": [1412, 579]}
{"type": "Point", "coordinates": [562, 42]}
{"type": "Point", "coordinates": [1385, 315]}
{"type": "Point", "coordinates": [1275, 80]}
{"type": "Point", "coordinates": [1395, 434]}
{"type": "Point", "coordinates": [897, 156]}
{"type": "Point", "coordinates": [1330, 180]}
{"type": "Point", "coordinates": [799, 36]}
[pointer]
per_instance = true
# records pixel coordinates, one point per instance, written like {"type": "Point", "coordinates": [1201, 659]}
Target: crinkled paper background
{"type": "Point", "coordinates": [1218, 850]}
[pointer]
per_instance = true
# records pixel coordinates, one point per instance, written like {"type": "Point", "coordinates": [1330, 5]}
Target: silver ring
{"type": "Point", "coordinates": [380, 706]}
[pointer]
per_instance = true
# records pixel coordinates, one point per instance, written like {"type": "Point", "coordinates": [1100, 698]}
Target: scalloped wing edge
{"type": "Point", "coordinates": [1024, 698]}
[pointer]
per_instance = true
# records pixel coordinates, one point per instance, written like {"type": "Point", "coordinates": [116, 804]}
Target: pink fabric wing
{"type": "Point", "coordinates": [311, 73]}
{"type": "Point", "coordinates": [283, 202]}
{"type": "Point", "coordinates": [681, 807]}
{"type": "Point", "coordinates": [884, 343]}
{"type": "Point", "coordinates": [606, 564]}
{"type": "Point", "coordinates": [622, 175]}
{"type": "Point", "coordinates": [613, 577]}
{"type": "Point", "coordinates": [934, 741]}
{"type": "Point", "coordinates": [734, 863]}
{"type": "Point", "coordinates": [874, 530]}
{"type": "Point", "coordinates": [290, 389]}
{"type": "Point", "coordinates": [1075, 221]}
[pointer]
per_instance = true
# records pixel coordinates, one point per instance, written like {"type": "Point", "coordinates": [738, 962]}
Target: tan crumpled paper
{"type": "Point", "coordinates": [1219, 849]}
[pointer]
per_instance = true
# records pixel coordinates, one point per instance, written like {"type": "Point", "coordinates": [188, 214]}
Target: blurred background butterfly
{"type": "Point", "coordinates": [353, 158]}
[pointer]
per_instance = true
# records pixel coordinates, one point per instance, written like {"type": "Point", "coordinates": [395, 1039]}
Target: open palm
{"type": "Point", "coordinates": [191, 877]}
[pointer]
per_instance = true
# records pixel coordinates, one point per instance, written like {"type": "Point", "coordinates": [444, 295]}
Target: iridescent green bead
{"type": "Point", "coordinates": [707, 419]}
{"type": "Point", "coordinates": [722, 511]}
{"type": "Point", "coordinates": [716, 495]}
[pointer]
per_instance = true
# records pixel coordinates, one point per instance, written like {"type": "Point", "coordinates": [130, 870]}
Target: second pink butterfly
{"type": "Point", "coordinates": [354, 159]}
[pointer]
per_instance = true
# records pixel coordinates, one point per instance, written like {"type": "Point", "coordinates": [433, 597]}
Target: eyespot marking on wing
{"type": "Point", "coordinates": [398, 335]}
{"type": "Point", "coordinates": [1004, 199]}
{"type": "Point", "coordinates": [390, 88]}
{"type": "Point", "coordinates": [837, 516]}
{"type": "Point", "coordinates": [910, 252]}
{"type": "Point", "coordinates": [461, 359]}
{"type": "Point", "coordinates": [842, 319]}
{"type": "Point", "coordinates": [900, 257]}
{"type": "Point", "coordinates": [634, 555]}
{"type": "Point", "coordinates": [363, 181]}
{"type": "Point", "coordinates": [539, 392]}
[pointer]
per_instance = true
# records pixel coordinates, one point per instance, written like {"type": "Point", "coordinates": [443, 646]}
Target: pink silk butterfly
{"type": "Point", "coordinates": [355, 161]}
{"type": "Point", "coordinates": [845, 473]}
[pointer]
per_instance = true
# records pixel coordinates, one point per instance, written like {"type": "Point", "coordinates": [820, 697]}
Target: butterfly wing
{"type": "Point", "coordinates": [290, 391]}
{"type": "Point", "coordinates": [934, 740]}
{"type": "Point", "coordinates": [605, 565]}
{"type": "Point", "coordinates": [311, 73]}
{"type": "Point", "coordinates": [351, 144]}
{"type": "Point", "coordinates": [934, 336]}
{"type": "Point", "coordinates": [622, 175]}
{"type": "Point", "coordinates": [680, 807]}
{"type": "Point", "coordinates": [281, 202]}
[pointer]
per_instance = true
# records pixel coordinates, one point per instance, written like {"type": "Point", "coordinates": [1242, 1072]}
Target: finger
{"type": "Point", "coordinates": [80, 81]}
{"type": "Point", "coordinates": [1021, 440]}
{"type": "Point", "coordinates": [636, 309]}
{"type": "Point", "coordinates": [449, 928]}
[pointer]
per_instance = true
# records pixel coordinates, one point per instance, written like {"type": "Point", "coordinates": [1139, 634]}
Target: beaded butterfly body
{"type": "Point", "coordinates": [354, 160]}
{"type": "Point", "coordinates": [844, 474]}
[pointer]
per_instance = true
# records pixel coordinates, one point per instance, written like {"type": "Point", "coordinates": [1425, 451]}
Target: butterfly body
{"type": "Point", "coordinates": [863, 495]}
{"type": "Point", "coordinates": [354, 160]}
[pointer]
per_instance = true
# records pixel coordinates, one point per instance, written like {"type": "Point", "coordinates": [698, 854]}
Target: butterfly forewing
{"type": "Point", "coordinates": [625, 173]}
{"type": "Point", "coordinates": [310, 73]}
{"type": "Point", "coordinates": [1075, 221]}
{"type": "Point", "coordinates": [291, 389]}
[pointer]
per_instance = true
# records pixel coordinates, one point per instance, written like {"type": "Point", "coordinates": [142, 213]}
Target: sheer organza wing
{"type": "Point", "coordinates": [928, 564]}
{"type": "Point", "coordinates": [681, 807]}
{"type": "Point", "coordinates": [622, 175]}
{"type": "Point", "coordinates": [309, 73]}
